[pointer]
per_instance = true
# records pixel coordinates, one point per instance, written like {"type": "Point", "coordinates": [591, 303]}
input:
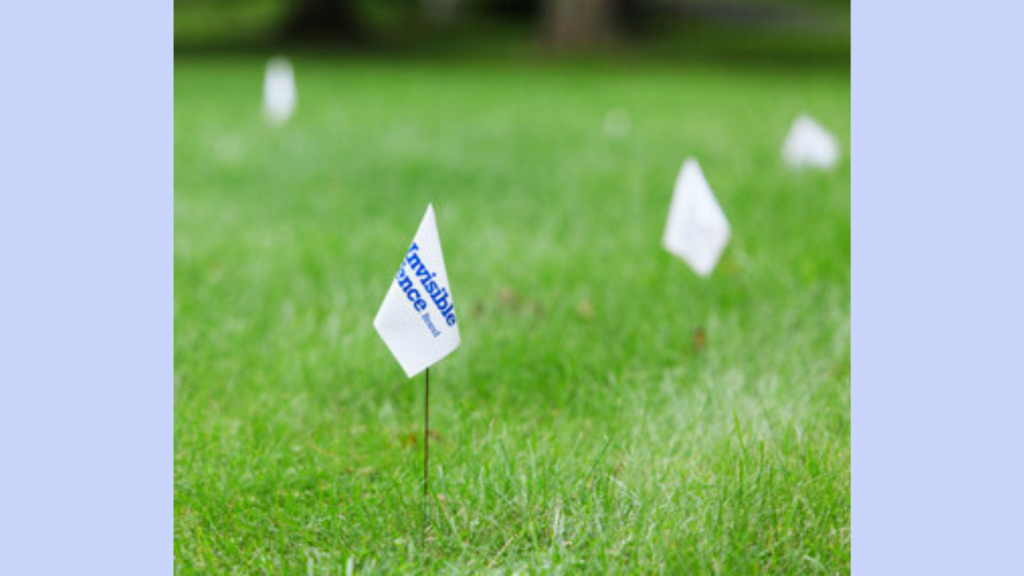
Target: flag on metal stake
{"type": "Point", "coordinates": [279, 93]}
{"type": "Point", "coordinates": [809, 145]}
{"type": "Point", "coordinates": [417, 320]}
{"type": "Point", "coordinates": [697, 230]}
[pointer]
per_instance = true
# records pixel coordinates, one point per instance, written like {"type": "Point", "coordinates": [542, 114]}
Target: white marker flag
{"type": "Point", "coordinates": [417, 319]}
{"type": "Point", "coordinates": [808, 145]}
{"type": "Point", "coordinates": [697, 230]}
{"type": "Point", "coordinates": [279, 94]}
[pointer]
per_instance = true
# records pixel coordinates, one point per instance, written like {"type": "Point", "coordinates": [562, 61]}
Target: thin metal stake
{"type": "Point", "coordinates": [426, 450]}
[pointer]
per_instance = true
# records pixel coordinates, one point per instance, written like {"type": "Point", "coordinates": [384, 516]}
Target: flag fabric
{"type": "Point", "coordinates": [279, 93]}
{"type": "Point", "coordinates": [417, 318]}
{"type": "Point", "coordinates": [697, 230]}
{"type": "Point", "coordinates": [809, 145]}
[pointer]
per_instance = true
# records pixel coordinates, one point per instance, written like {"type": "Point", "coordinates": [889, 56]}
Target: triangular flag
{"type": "Point", "coordinates": [808, 144]}
{"type": "Point", "coordinates": [417, 318]}
{"type": "Point", "coordinates": [279, 94]}
{"type": "Point", "coordinates": [697, 230]}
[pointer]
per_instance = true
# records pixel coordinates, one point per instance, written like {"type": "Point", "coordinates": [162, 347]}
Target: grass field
{"type": "Point", "coordinates": [582, 426]}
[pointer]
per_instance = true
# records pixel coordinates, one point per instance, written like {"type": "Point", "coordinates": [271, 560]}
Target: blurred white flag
{"type": "Point", "coordinates": [279, 94]}
{"type": "Point", "coordinates": [697, 230]}
{"type": "Point", "coordinates": [808, 145]}
{"type": "Point", "coordinates": [417, 319]}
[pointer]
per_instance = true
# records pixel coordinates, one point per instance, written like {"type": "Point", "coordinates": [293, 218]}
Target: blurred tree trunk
{"type": "Point", "coordinates": [334, 21]}
{"type": "Point", "coordinates": [441, 12]}
{"type": "Point", "coordinates": [581, 23]}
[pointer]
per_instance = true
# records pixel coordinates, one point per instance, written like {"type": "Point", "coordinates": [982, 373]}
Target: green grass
{"type": "Point", "coordinates": [579, 428]}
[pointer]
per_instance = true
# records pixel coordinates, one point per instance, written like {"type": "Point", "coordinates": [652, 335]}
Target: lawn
{"type": "Point", "coordinates": [608, 410]}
